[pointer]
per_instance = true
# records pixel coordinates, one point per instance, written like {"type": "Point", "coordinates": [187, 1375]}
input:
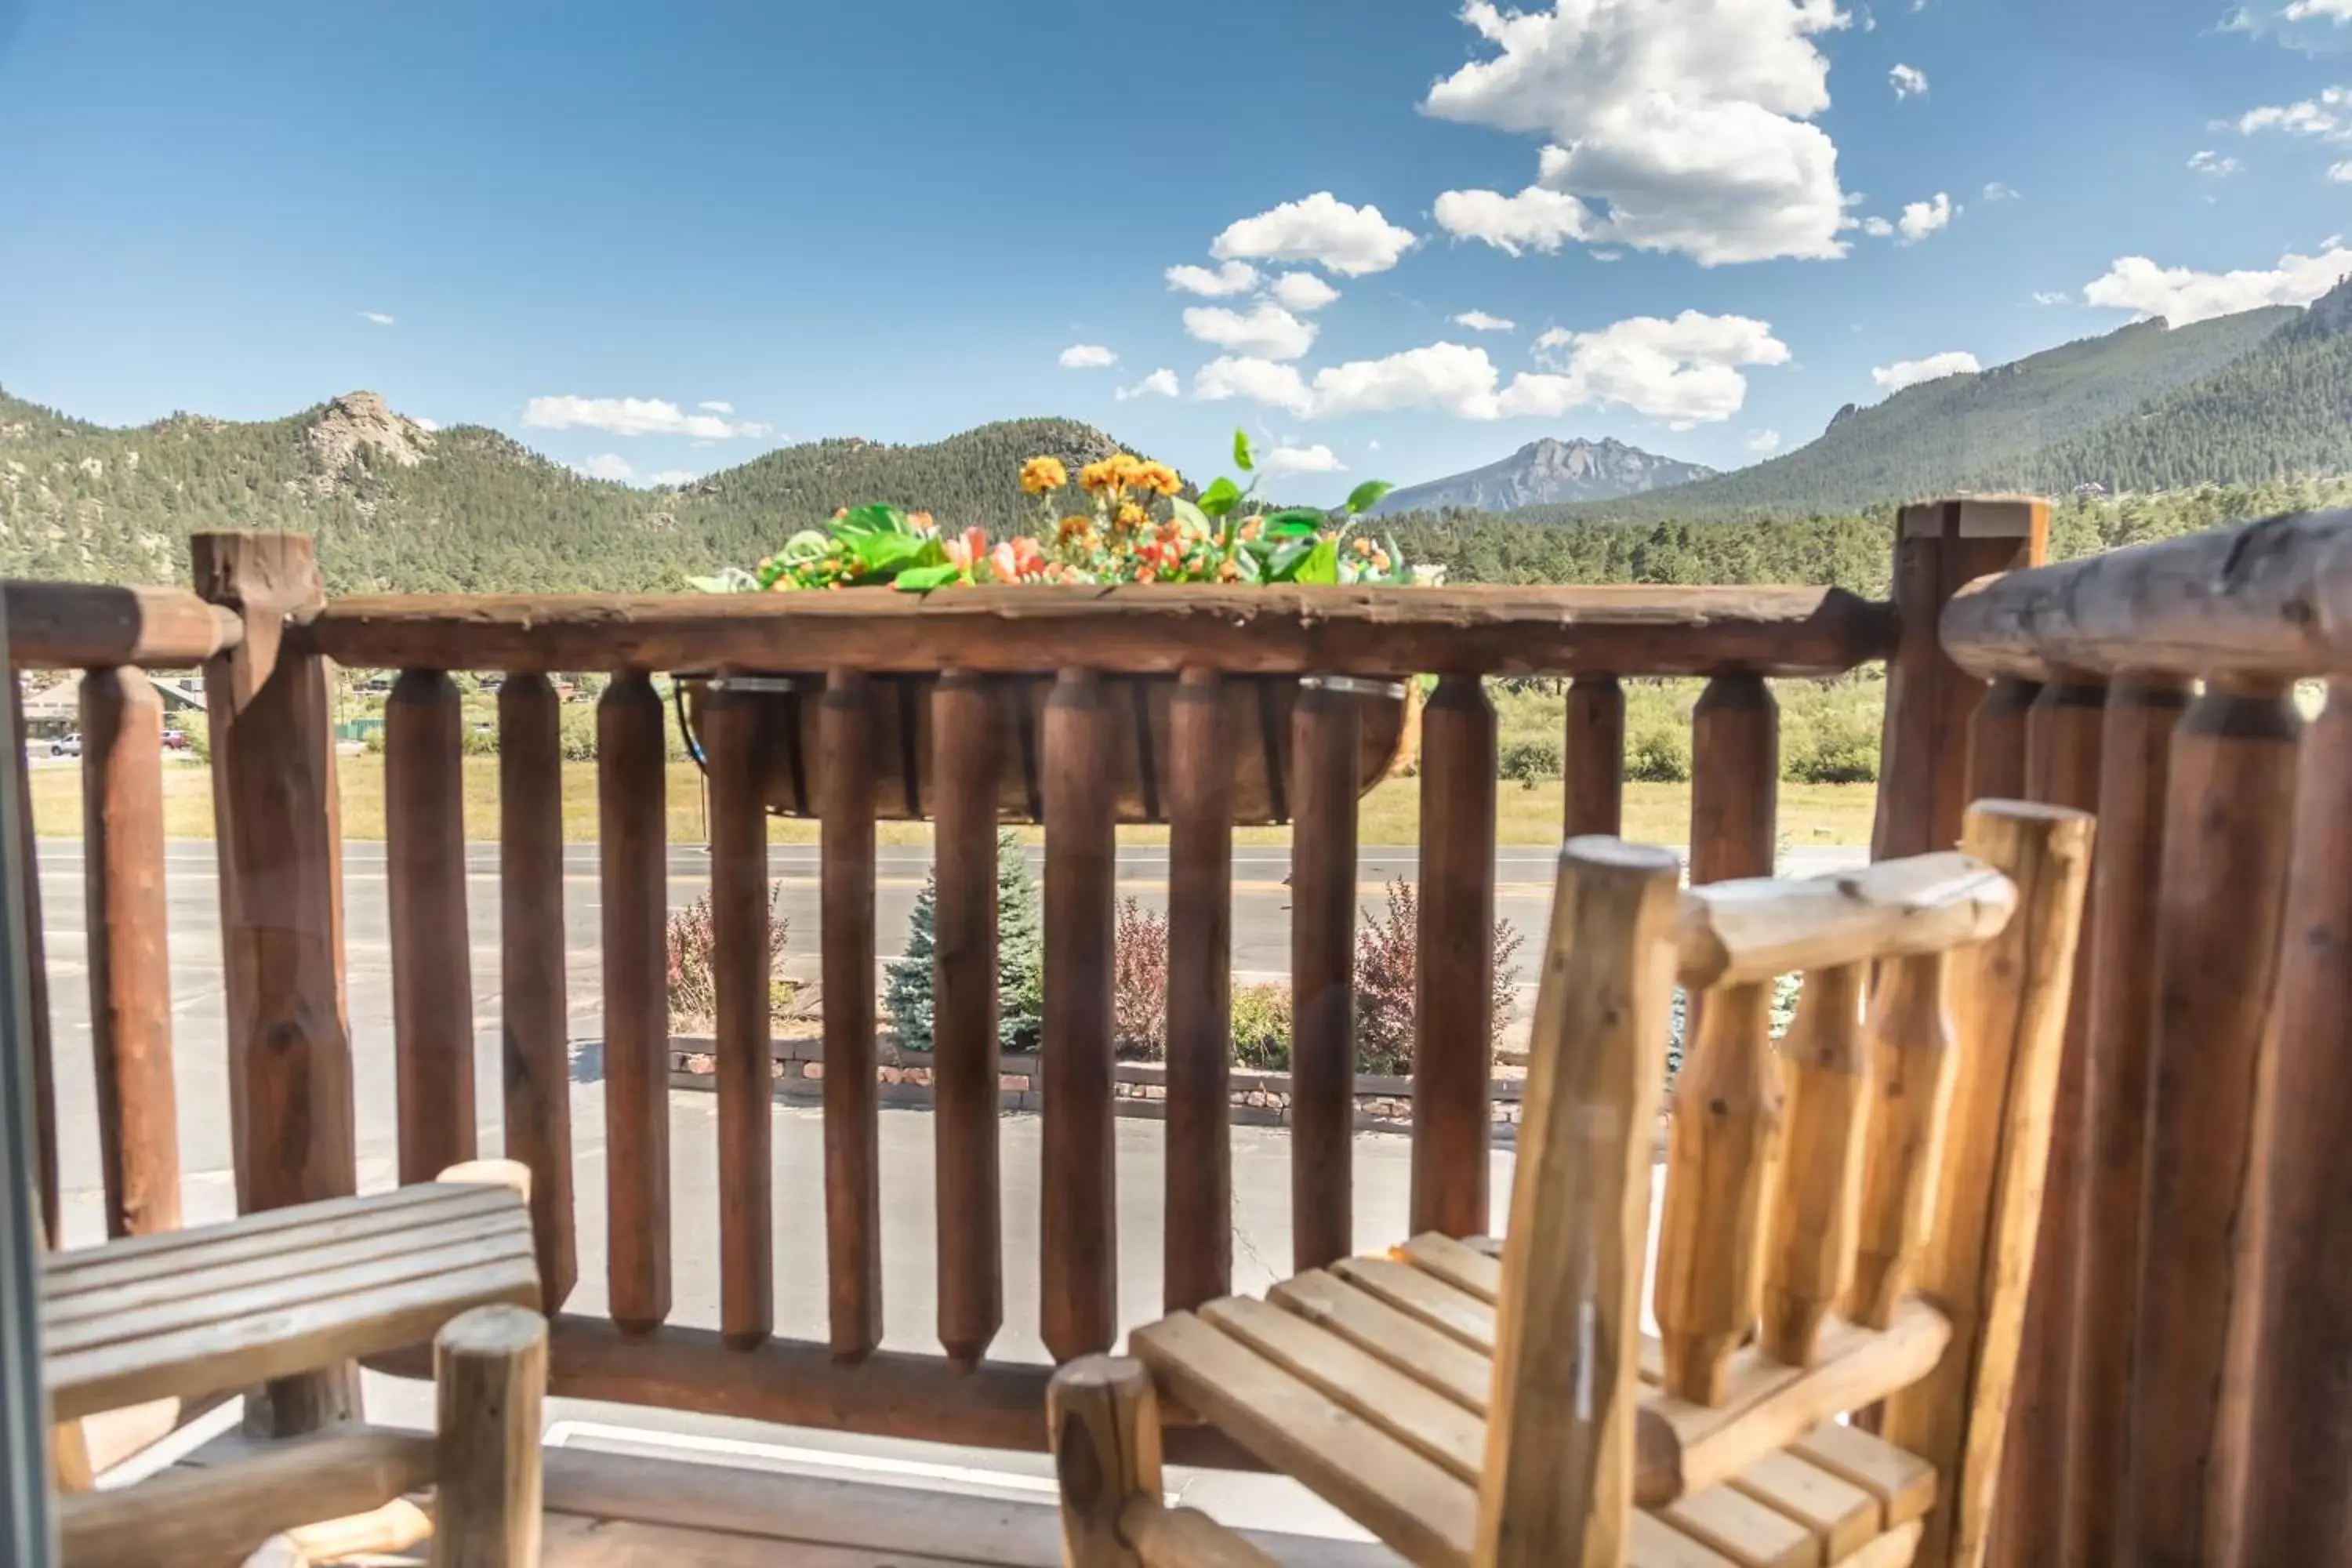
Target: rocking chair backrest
{"type": "Point", "coordinates": [1909, 1154]}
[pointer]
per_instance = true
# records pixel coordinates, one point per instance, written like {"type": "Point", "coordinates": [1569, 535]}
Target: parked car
{"type": "Point", "coordinates": [67, 745]}
{"type": "Point", "coordinates": [175, 741]}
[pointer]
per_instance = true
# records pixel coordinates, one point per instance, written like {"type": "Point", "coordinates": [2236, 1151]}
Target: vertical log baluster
{"type": "Point", "coordinates": [2062, 768]}
{"type": "Point", "coordinates": [42, 1078]}
{"type": "Point", "coordinates": [1997, 741]}
{"type": "Point", "coordinates": [1325, 729]}
{"type": "Point", "coordinates": [1719, 1161]}
{"type": "Point", "coordinates": [2298, 1508]}
{"type": "Point", "coordinates": [964, 1019]}
{"type": "Point", "coordinates": [1912, 1065]}
{"type": "Point", "coordinates": [1079, 1270]}
{"type": "Point", "coordinates": [1198, 1262]}
{"type": "Point", "coordinates": [279, 825]}
{"type": "Point", "coordinates": [739, 919]}
{"type": "Point", "coordinates": [2014, 991]}
{"type": "Point", "coordinates": [2136, 753]}
{"type": "Point", "coordinates": [849, 736]}
{"type": "Point", "coordinates": [130, 963]}
{"type": "Point", "coordinates": [2228, 830]}
{"type": "Point", "coordinates": [1735, 779]}
{"type": "Point", "coordinates": [432, 960]}
{"type": "Point", "coordinates": [535, 1055]}
{"type": "Point", "coordinates": [633, 822]}
{"type": "Point", "coordinates": [1817, 1213]}
{"type": "Point", "coordinates": [1593, 792]}
{"type": "Point", "coordinates": [1454, 979]}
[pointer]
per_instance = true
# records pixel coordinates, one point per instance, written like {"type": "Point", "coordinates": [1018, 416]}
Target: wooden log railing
{"type": "Point", "coordinates": [2182, 1399]}
{"type": "Point", "coordinates": [265, 633]}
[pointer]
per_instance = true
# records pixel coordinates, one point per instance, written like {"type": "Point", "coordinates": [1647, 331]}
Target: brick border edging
{"type": "Point", "coordinates": [1383, 1104]}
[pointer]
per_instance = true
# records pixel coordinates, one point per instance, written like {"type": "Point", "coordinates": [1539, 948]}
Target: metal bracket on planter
{"type": "Point", "coordinates": [1354, 686]}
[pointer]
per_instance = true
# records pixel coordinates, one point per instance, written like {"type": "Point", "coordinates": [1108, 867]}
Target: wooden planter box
{"type": "Point", "coordinates": [1257, 724]}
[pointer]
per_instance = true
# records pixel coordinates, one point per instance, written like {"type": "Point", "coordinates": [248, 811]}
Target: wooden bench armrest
{"type": "Point", "coordinates": [1750, 931]}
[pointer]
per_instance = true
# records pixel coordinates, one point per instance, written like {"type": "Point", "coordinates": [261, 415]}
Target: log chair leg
{"type": "Point", "coordinates": [1104, 1421]}
{"type": "Point", "coordinates": [489, 1372]}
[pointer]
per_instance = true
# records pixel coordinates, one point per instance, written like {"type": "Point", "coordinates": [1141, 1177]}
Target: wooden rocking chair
{"type": "Point", "coordinates": [1848, 1223]}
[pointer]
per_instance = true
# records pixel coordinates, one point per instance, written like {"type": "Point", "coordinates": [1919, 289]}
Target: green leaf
{"type": "Point", "coordinates": [920, 578]}
{"type": "Point", "coordinates": [867, 519]}
{"type": "Point", "coordinates": [1185, 511]}
{"type": "Point", "coordinates": [1322, 564]}
{"type": "Point", "coordinates": [1296, 520]}
{"type": "Point", "coordinates": [1366, 496]}
{"type": "Point", "coordinates": [883, 554]}
{"type": "Point", "coordinates": [1244, 458]}
{"type": "Point", "coordinates": [808, 544]}
{"type": "Point", "coordinates": [1282, 564]}
{"type": "Point", "coordinates": [1220, 498]}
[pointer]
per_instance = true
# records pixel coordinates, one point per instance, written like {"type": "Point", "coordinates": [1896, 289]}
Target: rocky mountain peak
{"type": "Point", "coordinates": [359, 419]}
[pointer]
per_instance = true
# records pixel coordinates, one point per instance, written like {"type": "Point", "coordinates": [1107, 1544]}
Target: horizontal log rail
{"type": "Point", "coordinates": [2272, 598]}
{"type": "Point", "coordinates": [99, 625]}
{"type": "Point", "coordinates": [1141, 631]}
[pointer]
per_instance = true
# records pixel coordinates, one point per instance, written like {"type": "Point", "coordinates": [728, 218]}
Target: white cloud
{"type": "Point", "coordinates": [2334, 10]}
{"type": "Point", "coordinates": [1534, 219]}
{"type": "Point", "coordinates": [1921, 219]}
{"type": "Point", "coordinates": [1684, 371]}
{"type": "Point", "coordinates": [1349, 240]}
{"type": "Point", "coordinates": [1763, 443]}
{"type": "Point", "coordinates": [1268, 332]}
{"type": "Point", "coordinates": [716, 408]}
{"type": "Point", "coordinates": [1302, 291]}
{"type": "Point", "coordinates": [631, 416]}
{"type": "Point", "coordinates": [1160, 383]}
{"type": "Point", "coordinates": [1905, 372]}
{"type": "Point", "coordinates": [377, 317]}
{"type": "Point", "coordinates": [1258, 380]}
{"type": "Point", "coordinates": [1877, 227]}
{"type": "Point", "coordinates": [2341, 173]}
{"type": "Point", "coordinates": [1460, 381]}
{"type": "Point", "coordinates": [2052, 296]}
{"type": "Point", "coordinates": [1316, 459]}
{"type": "Point", "coordinates": [2327, 115]}
{"type": "Point", "coordinates": [673, 476]}
{"type": "Point", "coordinates": [1683, 127]}
{"type": "Point", "coordinates": [423, 424]}
{"type": "Point", "coordinates": [1908, 81]}
{"type": "Point", "coordinates": [2182, 295]}
{"type": "Point", "coordinates": [1480, 321]}
{"type": "Point", "coordinates": [1995, 191]}
{"type": "Point", "coordinates": [1087, 356]}
{"type": "Point", "coordinates": [2208, 162]}
{"type": "Point", "coordinates": [609, 466]}
{"type": "Point", "coordinates": [1217, 283]}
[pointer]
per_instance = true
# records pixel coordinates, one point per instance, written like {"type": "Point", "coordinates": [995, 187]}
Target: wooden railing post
{"type": "Point", "coordinates": [279, 826]}
{"type": "Point", "coordinates": [1593, 791]}
{"type": "Point", "coordinates": [1200, 1227]}
{"type": "Point", "coordinates": [431, 954]}
{"type": "Point", "coordinates": [1453, 977]}
{"type": "Point", "coordinates": [536, 1054]}
{"type": "Point", "coordinates": [633, 851]}
{"type": "Point", "coordinates": [738, 911]}
{"type": "Point", "coordinates": [42, 1078]}
{"type": "Point", "coordinates": [852, 1167]}
{"type": "Point", "coordinates": [966, 1051]}
{"type": "Point", "coordinates": [1325, 726]}
{"type": "Point", "coordinates": [1939, 547]}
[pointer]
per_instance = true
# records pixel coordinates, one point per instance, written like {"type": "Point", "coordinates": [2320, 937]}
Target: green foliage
{"type": "Point", "coordinates": [1659, 756]}
{"type": "Point", "coordinates": [1020, 959]}
{"type": "Point", "coordinates": [1262, 1027]}
{"type": "Point", "coordinates": [1531, 761]}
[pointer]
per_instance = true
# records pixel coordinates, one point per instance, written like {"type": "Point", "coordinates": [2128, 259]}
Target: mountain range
{"type": "Point", "coordinates": [1546, 472]}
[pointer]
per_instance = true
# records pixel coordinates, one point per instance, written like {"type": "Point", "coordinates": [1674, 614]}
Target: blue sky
{"type": "Point", "coordinates": [662, 238]}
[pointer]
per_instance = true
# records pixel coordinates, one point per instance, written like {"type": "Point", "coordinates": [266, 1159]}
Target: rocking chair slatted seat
{"type": "Point", "coordinates": [1846, 1224]}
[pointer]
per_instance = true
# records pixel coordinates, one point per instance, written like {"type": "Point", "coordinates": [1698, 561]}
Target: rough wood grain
{"type": "Point", "coordinates": [740, 965]}
{"type": "Point", "coordinates": [130, 961]}
{"type": "Point", "coordinates": [23, 851]}
{"type": "Point", "coordinates": [1453, 972]}
{"type": "Point", "coordinates": [1817, 1210]}
{"type": "Point", "coordinates": [107, 626]}
{"type": "Point", "coordinates": [1997, 742]}
{"type": "Point", "coordinates": [535, 1054]}
{"type": "Point", "coordinates": [1593, 787]}
{"type": "Point", "coordinates": [1748, 1533]}
{"type": "Point", "coordinates": [1842, 1517]}
{"type": "Point", "coordinates": [1912, 1070]}
{"type": "Point", "coordinates": [1080, 1236]}
{"type": "Point", "coordinates": [1976, 1261]}
{"type": "Point", "coordinates": [1903, 1485]}
{"type": "Point", "coordinates": [1187, 1538]}
{"type": "Point", "coordinates": [633, 846]}
{"type": "Point", "coordinates": [1324, 728]}
{"type": "Point", "coordinates": [1197, 1261]}
{"type": "Point", "coordinates": [2229, 822]}
{"type": "Point", "coordinates": [1735, 779]}
{"type": "Point", "coordinates": [1140, 630]}
{"type": "Point", "coordinates": [489, 1377]}
{"type": "Point", "coordinates": [853, 1165]}
{"type": "Point", "coordinates": [1756, 928]}
{"type": "Point", "coordinates": [1558, 1484]}
{"type": "Point", "coordinates": [1437, 1359]}
{"type": "Point", "coordinates": [964, 1017]}
{"type": "Point", "coordinates": [432, 958]}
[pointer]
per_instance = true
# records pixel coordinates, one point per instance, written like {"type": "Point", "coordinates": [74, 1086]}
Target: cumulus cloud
{"type": "Point", "coordinates": [1316, 459]}
{"type": "Point", "coordinates": [1255, 379]}
{"type": "Point", "coordinates": [1764, 443]}
{"type": "Point", "coordinates": [377, 318]}
{"type": "Point", "coordinates": [1349, 240]}
{"type": "Point", "coordinates": [2208, 162]}
{"type": "Point", "coordinates": [1160, 383]}
{"type": "Point", "coordinates": [1480, 321]}
{"type": "Point", "coordinates": [632, 417]}
{"type": "Point", "coordinates": [1908, 81]}
{"type": "Point", "coordinates": [1213, 283]}
{"type": "Point", "coordinates": [2334, 10]}
{"type": "Point", "coordinates": [1995, 191]}
{"type": "Point", "coordinates": [2052, 296]}
{"type": "Point", "coordinates": [609, 466]}
{"type": "Point", "coordinates": [1905, 372]}
{"type": "Point", "coordinates": [1445, 376]}
{"type": "Point", "coordinates": [2182, 295]}
{"type": "Point", "coordinates": [1921, 219]}
{"type": "Point", "coordinates": [1087, 356]}
{"type": "Point", "coordinates": [1672, 128]}
{"type": "Point", "coordinates": [1302, 291]}
{"type": "Point", "coordinates": [1269, 332]}
{"type": "Point", "coordinates": [1685, 371]}
{"type": "Point", "coordinates": [716, 408]}
{"type": "Point", "coordinates": [2341, 173]}
{"type": "Point", "coordinates": [2327, 115]}
{"type": "Point", "coordinates": [1877, 227]}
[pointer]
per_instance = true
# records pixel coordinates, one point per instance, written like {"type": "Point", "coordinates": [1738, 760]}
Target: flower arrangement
{"type": "Point", "coordinates": [1128, 522]}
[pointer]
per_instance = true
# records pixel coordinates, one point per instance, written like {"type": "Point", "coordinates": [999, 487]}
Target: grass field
{"type": "Point", "coordinates": [1658, 813]}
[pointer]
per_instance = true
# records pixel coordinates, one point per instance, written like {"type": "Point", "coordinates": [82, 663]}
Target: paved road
{"type": "Point", "coordinates": [1261, 1155]}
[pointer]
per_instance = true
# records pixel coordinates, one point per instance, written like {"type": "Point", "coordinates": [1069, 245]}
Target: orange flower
{"type": "Point", "coordinates": [920, 521]}
{"type": "Point", "coordinates": [1131, 515]}
{"type": "Point", "coordinates": [1157, 477]}
{"type": "Point", "coordinates": [963, 551]}
{"type": "Point", "coordinates": [1039, 475]}
{"type": "Point", "coordinates": [1077, 528]}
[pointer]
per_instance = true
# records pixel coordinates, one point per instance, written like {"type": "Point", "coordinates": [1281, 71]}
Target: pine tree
{"type": "Point", "coordinates": [1020, 958]}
